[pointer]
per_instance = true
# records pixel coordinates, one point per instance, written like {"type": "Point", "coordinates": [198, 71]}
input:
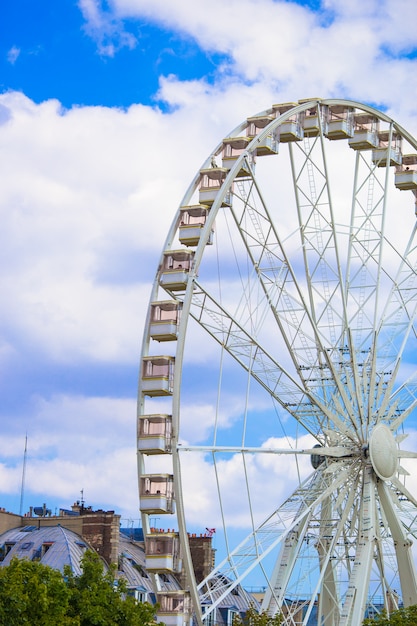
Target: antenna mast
{"type": "Point", "coordinates": [22, 488]}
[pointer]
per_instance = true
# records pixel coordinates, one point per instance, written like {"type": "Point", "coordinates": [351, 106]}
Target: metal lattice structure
{"type": "Point", "coordinates": [285, 302]}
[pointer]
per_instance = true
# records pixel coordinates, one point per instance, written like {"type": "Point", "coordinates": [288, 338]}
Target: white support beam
{"type": "Point", "coordinates": [355, 602]}
{"type": "Point", "coordinates": [406, 568]}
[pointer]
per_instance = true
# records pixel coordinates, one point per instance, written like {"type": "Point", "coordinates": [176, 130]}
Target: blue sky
{"type": "Point", "coordinates": [52, 55]}
{"type": "Point", "coordinates": [107, 110]}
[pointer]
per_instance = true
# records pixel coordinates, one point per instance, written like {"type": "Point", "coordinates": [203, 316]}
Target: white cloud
{"type": "Point", "coordinates": [79, 202]}
{"type": "Point", "coordinates": [13, 54]}
{"type": "Point", "coordinates": [75, 443]}
{"type": "Point", "coordinates": [88, 194]}
{"type": "Point", "coordinates": [105, 28]}
{"type": "Point", "coordinates": [345, 51]}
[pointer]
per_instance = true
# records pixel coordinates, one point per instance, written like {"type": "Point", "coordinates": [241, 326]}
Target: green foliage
{"type": "Point", "coordinates": [96, 599]}
{"type": "Point", "coordinates": [33, 594]}
{"type": "Point", "coordinates": [402, 617]}
{"type": "Point", "coordinates": [37, 595]}
{"type": "Point", "coordinates": [253, 618]}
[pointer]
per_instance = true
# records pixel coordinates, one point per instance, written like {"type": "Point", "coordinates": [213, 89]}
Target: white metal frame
{"type": "Point", "coordinates": [346, 318]}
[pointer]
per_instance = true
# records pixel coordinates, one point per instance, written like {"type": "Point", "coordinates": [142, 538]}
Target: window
{"type": "Point", "coordinates": [37, 554]}
{"type": "Point", "coordinates": [5, 549]}
{"type": "Point", "coordinates": [140, 569]}
{"type": "Point", "coordinates": [209, 621]}
{"type": "Point", "coordinates": [231, 614]}
{"type": "Point", "coordinates": [164, 578]}
{"type": "Point", "coordinates": [140, 595]}
{"type": "Point", "coordinates": [8, 547]}
{"type": "Point", "coordinates": [45, 548]}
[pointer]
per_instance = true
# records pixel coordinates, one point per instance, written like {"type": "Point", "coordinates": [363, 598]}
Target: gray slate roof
{"type": "Point", "coordinates": [52, 545]}
{"type": "Point", "coordinates": [57, 546]}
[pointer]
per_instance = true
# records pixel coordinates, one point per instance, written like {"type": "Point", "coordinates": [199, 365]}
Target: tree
{"type": "Point", "coordinates": [33, 594]}
{"type": "Point", "coordinates": [402, 617]}
{"type": "Point", "coordinates": [97, 599]}
{"type": "Point", "coordinates": [253, 618]}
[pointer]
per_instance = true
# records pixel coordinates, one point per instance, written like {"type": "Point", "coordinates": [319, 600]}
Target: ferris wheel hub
{"type": "Point", "coordinates": [383, 452]}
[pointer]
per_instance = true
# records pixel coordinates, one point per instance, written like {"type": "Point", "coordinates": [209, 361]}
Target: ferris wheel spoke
{"type": "Point", "coordinates": [319, 242]}
{"type": "Point", "coordinates": [297, 320]}
{"type": "Point", "coordinates": [268, 535]}
{"type": "Point", "coordinates": [300, 324]}
{"type": "Point", "coordinates": [398, 323]}
{"type": "Point", "coordinates": [334, 452]}
{"type": "Point", "coordinates": [391, 337]}
{"type": "Point", "coordinates": [283, 569]}
{"type": "Point", "coordinates": [401, 488]}
{"type": "Point", "coordinates": [275, 274]}
{"type": "Point", "coordinates": [407, 454]}
{"type": "Point", "coordinates": [323, 271]}
{"type": "Point", "coordinates": [308, 409]}
{"type": "Point", "coordinates": [405, 508]}
{"type": "Point", "coordinates": [322, 529]}
{"type": "Point", "coordinates": [396, 408]}
{"type": "Point", "coordinates": [364, 270]}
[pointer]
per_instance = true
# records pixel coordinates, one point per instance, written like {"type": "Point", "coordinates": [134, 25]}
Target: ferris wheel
{"type": "Point", "coordinates": [278, 370]}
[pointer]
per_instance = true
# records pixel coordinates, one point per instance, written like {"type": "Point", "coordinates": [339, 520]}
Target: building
{"type": "Point", "coordinates": [60, 540]}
